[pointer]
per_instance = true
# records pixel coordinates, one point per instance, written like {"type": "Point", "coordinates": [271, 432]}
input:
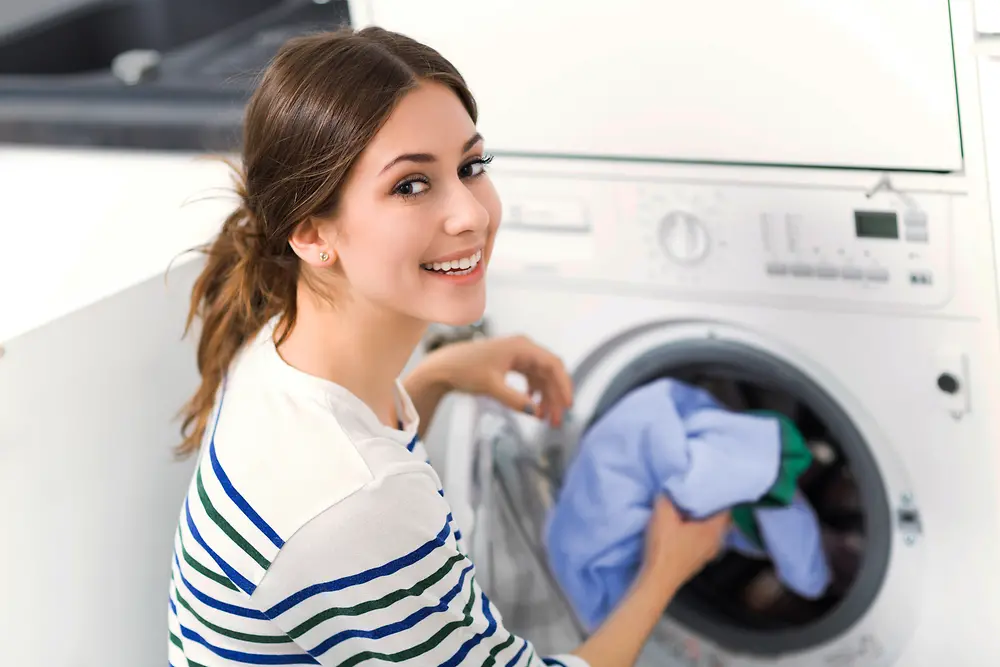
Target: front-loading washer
{"type": "Point", "coordinates": [837, 299]}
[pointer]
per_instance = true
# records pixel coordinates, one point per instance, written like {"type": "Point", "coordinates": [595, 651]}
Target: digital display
{"type": "Point", "coordinates": [876, 224]}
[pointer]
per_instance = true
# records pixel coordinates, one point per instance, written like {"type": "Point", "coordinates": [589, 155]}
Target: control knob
{"type": "Point", "coordinates": [683, 237]}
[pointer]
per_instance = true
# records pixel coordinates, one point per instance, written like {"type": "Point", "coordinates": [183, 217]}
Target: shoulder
{"type": "Point", "coordinates": [278, 452]}
{"type": "Point", "coordinates": [289, 444]}
{"type": "Point", "coordinates": [387, 536]}
{"type": "Point", "coordinates": [288, 454]}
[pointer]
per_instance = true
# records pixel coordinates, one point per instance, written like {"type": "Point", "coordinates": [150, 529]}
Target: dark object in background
{"type": "Point", "coordinates": [150, 74]}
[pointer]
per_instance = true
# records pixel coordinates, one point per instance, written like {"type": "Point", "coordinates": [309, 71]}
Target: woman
{"type": "Point", "coordinates": [314, 531]}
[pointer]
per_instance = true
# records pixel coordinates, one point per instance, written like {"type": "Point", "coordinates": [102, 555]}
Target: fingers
{"type": "Point", "coordinates": [547, 375]}
{"type": "Point", "coordinates": [512, 398]}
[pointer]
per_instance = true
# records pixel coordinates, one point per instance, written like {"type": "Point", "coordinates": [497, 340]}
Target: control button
{"type": "Point", "coordinates": [776, 268]}
{"type": "Point", "coordinates": [948, 383]}
{"type": "Point", "coordinates": [851, 273]}
{"type": "Point", "coordinates": [877, 275]}
{"type": "Point", "coordinates": [916, 235]}
{"type": "Point", "coordinates": [827, 271]}
{"type": "Point", "coordinates": [915, 219]}
{"type": "Point", "coordinates": [921, 278]}
{"type": "Point", "coordinates": [792, 231]}
{"type": "Point", "coordinates": [801, 270]}
{"type": "Point", "coordinates": [765, 231]}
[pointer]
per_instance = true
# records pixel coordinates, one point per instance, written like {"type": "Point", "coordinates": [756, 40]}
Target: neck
{"type": "Point", "coordinates": [356, 345]}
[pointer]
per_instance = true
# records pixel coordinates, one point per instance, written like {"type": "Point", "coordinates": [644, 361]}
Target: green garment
{"type": "Point", "coordinates": [795, 460]}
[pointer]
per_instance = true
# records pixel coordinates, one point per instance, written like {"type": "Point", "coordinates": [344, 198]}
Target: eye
{"type": "Point", "coordinates": [411, 187]}
{"type": "Point", "coordinates": [475, 167]}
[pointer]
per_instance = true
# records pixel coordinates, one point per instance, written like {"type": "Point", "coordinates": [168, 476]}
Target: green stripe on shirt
{"type": "Point", "coordinates": [496, 651]}
{"type": "Point", "coordinates": [218, 578]}
{"type": "Point", "coordinates": [422, 647]}
{"type": "Point", "coordinates": [227, 528]}
{"type": "Point", "coordinates": [381, 603]}
{"type": "Point", "coordinates": [234, 634]}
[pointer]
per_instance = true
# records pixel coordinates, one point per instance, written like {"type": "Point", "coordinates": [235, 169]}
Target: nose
{"type": "Point", "coordinates": [465, 213]}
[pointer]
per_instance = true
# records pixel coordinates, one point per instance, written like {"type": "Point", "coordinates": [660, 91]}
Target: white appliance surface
{"type": "Point", "coordinates": [987, 16]}
{"type": "Point", "coordinates": [856, 83]}
{"type": "Point", "coordinates": [81, 225]}
{"type": "Point", "coordinates": [989, 73]}
{"type": "Point", "coordinates": [785, 262]}
{"type": "Point", "coordinates": [93, 373]}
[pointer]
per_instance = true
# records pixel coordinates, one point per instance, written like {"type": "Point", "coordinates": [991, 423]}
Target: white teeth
{"type": "Point", "coordinates": [456, 267]}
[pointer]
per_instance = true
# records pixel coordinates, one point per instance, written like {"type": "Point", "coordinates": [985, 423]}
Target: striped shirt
{"type": "Point", "coordinates": [313, 534]}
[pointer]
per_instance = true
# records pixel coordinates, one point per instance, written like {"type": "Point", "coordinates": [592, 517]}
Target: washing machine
{"type": "Point", "coordinates": [799, 222]}
{"type": "Point", "coordinates": [853, 303]}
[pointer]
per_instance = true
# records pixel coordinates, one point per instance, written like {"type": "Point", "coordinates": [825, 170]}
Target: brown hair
{"type": "Point", "coordinates": [319, 103]}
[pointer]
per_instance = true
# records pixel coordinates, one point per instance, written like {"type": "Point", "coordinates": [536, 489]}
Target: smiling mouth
{"type": "Point", "coordinates": [455, 267]}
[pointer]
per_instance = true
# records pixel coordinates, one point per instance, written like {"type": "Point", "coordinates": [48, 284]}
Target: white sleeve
{"type": "Point", "coordinates": [379, 576]}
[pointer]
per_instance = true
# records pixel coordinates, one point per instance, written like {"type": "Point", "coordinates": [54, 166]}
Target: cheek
{"type": "Point", "coordinates": [489, 199]}
{"type": "Point", "coordinates": [381, 254]}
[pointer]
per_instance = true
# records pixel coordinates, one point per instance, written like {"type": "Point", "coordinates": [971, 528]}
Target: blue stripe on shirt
{"type": "Point", "coordinates": [218, 604]}
{"type": "Point", "coordinates": [471, 643]}
{"type": "Point", "coordinates": [250, 658]}
{"type": "Point", "coordinates": [363, 577]}
{"type": "Point", "coordinates": [240, 501]}
{"type": "Point", "coordinates": [245, 584]}
{"type": "Point", "coordinates": [399, 626]}
{"type": "Point", "coordinates": [517, 656]}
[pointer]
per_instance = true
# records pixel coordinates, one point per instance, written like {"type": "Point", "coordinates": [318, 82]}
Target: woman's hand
{"type": "Point", "coordinates": [676, 549]}
{"type": "Point", "coordinates": [481, 366]}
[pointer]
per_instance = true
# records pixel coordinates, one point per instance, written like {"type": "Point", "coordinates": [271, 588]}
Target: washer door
{"type": "Point", "coordinates": [735, 610]}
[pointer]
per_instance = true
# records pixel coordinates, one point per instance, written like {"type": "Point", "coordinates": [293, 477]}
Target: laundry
{"type": "Point", "coordinates": [671, 437]}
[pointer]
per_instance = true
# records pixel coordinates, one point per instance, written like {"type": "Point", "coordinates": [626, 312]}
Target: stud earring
{"type": "Point", "coordinates": [323, 257]}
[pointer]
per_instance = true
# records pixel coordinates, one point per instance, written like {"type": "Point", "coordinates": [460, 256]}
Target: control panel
{"type": "Point", "coordinates": [812, 241]}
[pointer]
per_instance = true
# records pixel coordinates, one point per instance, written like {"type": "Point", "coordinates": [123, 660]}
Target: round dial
{"type": "Point", "coordinates": [683, 237]}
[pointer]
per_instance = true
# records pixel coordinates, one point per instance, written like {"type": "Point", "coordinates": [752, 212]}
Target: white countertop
{"type": "Point", "coordinates": [77, 226]}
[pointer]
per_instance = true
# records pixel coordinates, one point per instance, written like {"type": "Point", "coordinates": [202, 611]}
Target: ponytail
{"type": "Point", "coordinates": [245, 282]}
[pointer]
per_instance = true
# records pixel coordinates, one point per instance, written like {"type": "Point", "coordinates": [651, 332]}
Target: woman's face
{"type": "Point", "coordinates": [417, 219]}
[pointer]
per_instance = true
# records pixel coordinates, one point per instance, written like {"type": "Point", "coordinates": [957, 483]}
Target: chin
{"type": "Point", "coordinates": [460, 314]}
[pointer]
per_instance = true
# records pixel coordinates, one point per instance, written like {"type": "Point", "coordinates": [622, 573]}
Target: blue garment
{"type": "Point", "coordinates": [672, 438]}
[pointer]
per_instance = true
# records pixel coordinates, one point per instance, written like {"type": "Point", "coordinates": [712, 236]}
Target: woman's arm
{"type": "Point", "coordinates": [380, 577]}
{"type": "Point", "coordinates": [427, 384]}
{"type": "Point", "coordinates": [620, 639]}
{"type": "Point", "coordinates": [674, 551]}
{"type": "Point", "coordinates": [480, 367]}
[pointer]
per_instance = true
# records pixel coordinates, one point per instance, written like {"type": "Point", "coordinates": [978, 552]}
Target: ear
{"type": "Point", "coordinates": [312, 240]}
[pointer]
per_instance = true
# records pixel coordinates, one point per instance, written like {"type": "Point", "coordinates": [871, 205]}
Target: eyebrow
{"type": "Point", "coordinates": [427, 157]}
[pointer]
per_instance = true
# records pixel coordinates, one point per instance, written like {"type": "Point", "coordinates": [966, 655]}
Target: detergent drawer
{"type": "Point", "coordinates": [854, 83]}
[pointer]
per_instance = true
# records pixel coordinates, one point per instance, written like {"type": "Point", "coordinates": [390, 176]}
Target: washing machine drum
{"type": "Point", "coordinates": [737, 602]}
